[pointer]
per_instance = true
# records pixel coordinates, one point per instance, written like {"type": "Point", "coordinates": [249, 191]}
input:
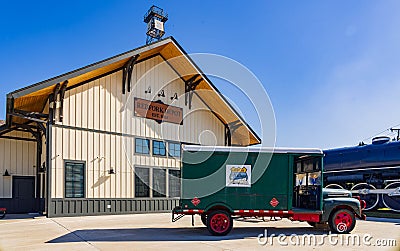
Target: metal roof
{"type": "Point", "coordinates": [33, 98]}
{"type": "Point", "coordinates": [251, 149]}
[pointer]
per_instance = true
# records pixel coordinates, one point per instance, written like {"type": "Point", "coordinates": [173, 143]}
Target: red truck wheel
{"type": "Point", "coordinates": [219, 223]}
{"type": "Point", "coordinates": [342, 221]}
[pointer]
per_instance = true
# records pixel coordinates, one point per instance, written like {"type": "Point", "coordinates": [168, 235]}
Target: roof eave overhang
{"type": "Point", "coordinates": [204, 76]}
{"type": "Point", "coordinates": [50, 82]}
{"type": "Point", "coordinates": [37, 88]}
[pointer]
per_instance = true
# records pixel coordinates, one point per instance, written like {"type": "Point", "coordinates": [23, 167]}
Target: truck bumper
{"type": "Point", "coordinates": [361, 216]}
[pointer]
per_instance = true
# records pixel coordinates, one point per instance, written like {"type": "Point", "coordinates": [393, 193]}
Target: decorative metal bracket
{"type": "Point", "coordinates": [190, 87]}
{"type": "Point", "coordinates": [127, 73]}
{"type": "Point", "coordinates": [52, 102]}
{"type": "Point", "coordinates": [61, 100]}
{"type": "Point", "coordinates": [10, 110]}
{"type": "Point", "coordinates": [228, 136]}
{"type": "Point", "coordinates": [230, 128]}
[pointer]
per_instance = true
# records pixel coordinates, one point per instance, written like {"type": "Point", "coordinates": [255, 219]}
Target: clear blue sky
{"type": "Point", "coordinates": [331, 68]}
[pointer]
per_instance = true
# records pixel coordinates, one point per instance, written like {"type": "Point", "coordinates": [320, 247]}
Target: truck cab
{"type": "Point", "coordinates": [223, 183]}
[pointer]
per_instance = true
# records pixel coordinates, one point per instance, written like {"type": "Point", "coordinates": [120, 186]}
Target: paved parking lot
{"type": "Point", "coordinates": [156, 232]}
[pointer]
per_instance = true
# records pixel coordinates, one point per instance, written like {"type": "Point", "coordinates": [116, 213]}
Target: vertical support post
{"type": "Point", "coordinates": [48, 168]}
{"type": "Point", "coordinates": [38, 165]}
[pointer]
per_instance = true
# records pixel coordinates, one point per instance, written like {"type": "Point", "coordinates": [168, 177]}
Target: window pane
{"type": "Point", "coordinates": [142, 182]}
{"type": "Point", "coordinates": [174, 183]}
{"type": "Point", "coordinates": [174, 150]}
{"type": "Point", "coordinates": [142, 146]}
{"type": "Point", "coordinates": [159, 148]}
{"type": "Point", "coordinates": [74, 180]}
{"type": "Point", "coordinates": [159, 183]}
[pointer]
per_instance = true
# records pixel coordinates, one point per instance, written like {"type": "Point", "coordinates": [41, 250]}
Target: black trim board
{"type": "Point", "coordinates": [113, 133]}
{"type": "Point", "coordinates": [17, 138]}
{"type": "Point", "coordinates": [88, 206]}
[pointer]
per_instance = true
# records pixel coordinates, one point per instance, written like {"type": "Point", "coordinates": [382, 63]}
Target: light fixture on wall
{"type": "Point", "coordinates": [42, 168]}
{"type": "Point", "coordinates": [111, 171]}
{"type": "Point", "coordinates": [175, 96]}
{"type": "Point", "coordinates": [6, 174]}
{"type": "Point", "coordinates": [161, 94]}
{"type": "Point", "coordinates": [148, 90]}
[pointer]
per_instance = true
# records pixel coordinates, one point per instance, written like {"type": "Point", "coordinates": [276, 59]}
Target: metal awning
{"type": "Point", "coordinates": [34, 98]}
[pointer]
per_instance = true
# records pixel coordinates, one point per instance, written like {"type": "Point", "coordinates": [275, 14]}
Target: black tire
{"type": "Point", "coordinates": [203, 218]}
{"type": "Point", "coordinates": [342, 221]}
{"type": "Point", "coordinates": [219, 223]}
{"type": "Point", "coordinates": [2, 214]}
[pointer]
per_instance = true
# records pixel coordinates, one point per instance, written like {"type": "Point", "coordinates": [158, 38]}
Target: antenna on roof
{"type": "Point", "coordinates": [398, 132]}
{"type": "Point", "coordinates": [155, 19]}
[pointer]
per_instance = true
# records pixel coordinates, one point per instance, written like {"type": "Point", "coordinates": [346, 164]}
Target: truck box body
{"type": "Point", "coordinates": [223, 183]}
{"type": "Point", "coordinates": [205, 174]}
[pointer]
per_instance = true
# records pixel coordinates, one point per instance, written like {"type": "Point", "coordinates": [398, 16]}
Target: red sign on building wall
{"type": "Point", "coordinates": [158, 111]}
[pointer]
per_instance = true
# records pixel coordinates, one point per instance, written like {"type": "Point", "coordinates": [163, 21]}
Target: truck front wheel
{"type": "Point", "coordinates": [342, 221]}
{"type": "Point", "coordinates": [219, 222]}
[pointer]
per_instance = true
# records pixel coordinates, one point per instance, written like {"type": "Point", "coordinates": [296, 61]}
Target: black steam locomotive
{"type": "Point", "coordinates": [370, 171]}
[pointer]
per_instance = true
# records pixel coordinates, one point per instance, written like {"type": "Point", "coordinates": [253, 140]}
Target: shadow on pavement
{"type": "Point", "coordinates": [20, 216]}
{"type": "Point", "coordinates": [391, 220]}
{"type": "Point", "coordinates": [175, 234]}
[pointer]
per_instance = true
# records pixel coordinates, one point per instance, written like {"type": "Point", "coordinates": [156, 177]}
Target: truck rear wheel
{"type": "Point", "coordinates": [203, 218]}
{"type": "Point", "coordinates": [219, 223]}
{"type": "Point", "coordinates": [342, 221]}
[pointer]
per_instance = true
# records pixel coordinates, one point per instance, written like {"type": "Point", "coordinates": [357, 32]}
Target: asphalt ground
{"type": "Point", "coordinates": [157, 232]}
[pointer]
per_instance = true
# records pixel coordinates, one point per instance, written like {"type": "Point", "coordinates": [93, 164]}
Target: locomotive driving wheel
{"type": "Point", "coordinates": [362, 190]}
{"type": "Point", "coordinates": [392, 199]}
{"type": "Point", "coordinates": [334, 186]}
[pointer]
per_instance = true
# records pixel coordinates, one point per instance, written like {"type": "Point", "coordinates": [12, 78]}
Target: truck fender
{"type": "Point", "coordinates": [218, 206]}
{"type": "Point", "coordinates": [332, 204]}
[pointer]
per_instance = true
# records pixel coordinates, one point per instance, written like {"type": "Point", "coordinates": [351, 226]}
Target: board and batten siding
{"type": "Point", "coordinates": [93, 125]}
{"type": "Point", "coordinates": [18, 157]}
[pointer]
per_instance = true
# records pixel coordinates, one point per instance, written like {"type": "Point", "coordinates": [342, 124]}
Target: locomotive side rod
{"type": "Point", "coordinates": [390, 192]}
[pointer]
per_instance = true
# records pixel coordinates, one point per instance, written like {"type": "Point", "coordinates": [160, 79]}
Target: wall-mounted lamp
{"type": "Point", "coordinates": [161, 94]}
{"type": "Point", "coordinates": [111, 171]}
{"type": "Point", "coordinates": [6, 174]}
{"type": "Point", "coordinates": [148, 90]}
{"type": "Point", "coordinates": [42, 168]}
{"type": "Point", "coordinates": [175, 96]}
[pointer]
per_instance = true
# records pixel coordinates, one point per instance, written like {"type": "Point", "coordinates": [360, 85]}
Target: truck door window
{"type": "Point", "coordinates": [307, 182]}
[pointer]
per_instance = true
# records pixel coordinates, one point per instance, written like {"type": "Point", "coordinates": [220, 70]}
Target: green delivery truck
{"type": "Point", "coordinates": [223, 183]}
